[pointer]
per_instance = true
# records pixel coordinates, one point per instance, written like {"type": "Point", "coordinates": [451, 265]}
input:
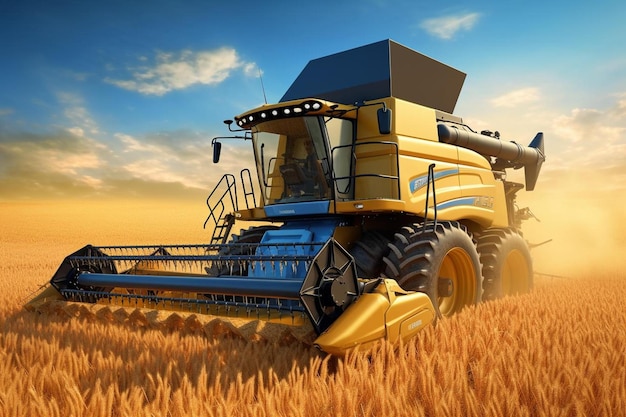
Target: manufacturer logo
{"type": "Point", "coordinates": [484, 201]}
{"type": "Point", "coordinates": [415, 325]}
{"type": "Point", "coordinates": [419, 182]}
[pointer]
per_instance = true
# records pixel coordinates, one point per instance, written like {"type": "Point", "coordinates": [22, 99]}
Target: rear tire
{"type": "Point", "coordinates": [507, 264]}
{"type": "Point", "coordinates": [440, 261]}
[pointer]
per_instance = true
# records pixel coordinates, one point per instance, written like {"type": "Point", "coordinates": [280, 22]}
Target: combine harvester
{"type": "Point", "coordinates": [385, 211]}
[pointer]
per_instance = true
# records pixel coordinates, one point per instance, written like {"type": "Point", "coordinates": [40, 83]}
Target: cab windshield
{"type": "Point", "coordinates": [293, 158]}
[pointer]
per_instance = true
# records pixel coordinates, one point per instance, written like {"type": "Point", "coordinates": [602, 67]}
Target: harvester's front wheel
{"type": "Point", "coordinates": [441, 261]}
{"type": "Point", "coordinates": [368, 253]}
{"type": "Point", "coordinates": [507, 265]}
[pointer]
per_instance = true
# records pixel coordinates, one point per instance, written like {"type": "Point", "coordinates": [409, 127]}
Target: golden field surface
{"type": "Point", "coordinates": [558, 351]}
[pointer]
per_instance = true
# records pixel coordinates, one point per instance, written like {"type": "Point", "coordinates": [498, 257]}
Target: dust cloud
{"type": "Point", "coordinates": [584, 214]}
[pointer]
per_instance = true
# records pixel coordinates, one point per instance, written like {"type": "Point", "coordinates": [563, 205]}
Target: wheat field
{"type": "Point", "coordinates": [558, 351]}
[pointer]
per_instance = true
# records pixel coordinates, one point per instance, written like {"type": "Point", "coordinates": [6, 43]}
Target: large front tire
{"type": "Point", "coordinates": [440, 261]}
{"type": "Point", "coordinates": [507, 264]}
{"type": "Point", "coordinates": [368, 253]}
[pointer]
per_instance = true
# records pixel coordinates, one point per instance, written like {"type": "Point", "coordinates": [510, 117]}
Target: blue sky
{"type": "Point", "coordinates": [121, 98]}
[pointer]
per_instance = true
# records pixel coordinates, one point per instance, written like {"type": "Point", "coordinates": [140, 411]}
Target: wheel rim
{"type": "Point", "coordinates": [457, 266]}
{"type": "Point", "coordinates": [515, 274]}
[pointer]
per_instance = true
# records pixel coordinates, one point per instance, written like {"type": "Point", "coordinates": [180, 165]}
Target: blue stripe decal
{"type": "Point", "coordinates": [420, 182]}
{"type": "Point", "coordinates": [465, 201]}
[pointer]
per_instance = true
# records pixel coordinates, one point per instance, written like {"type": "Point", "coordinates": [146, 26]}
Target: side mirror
{"type": "Point", "coordinates": [384, 120]}
{"type": "Point", "coordinates": [217, 149]}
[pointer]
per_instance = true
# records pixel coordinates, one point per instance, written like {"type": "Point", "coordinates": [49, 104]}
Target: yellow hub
{"type": "Point", "coordinates": [515, 274]}
{"type": "Point", "coordinates": [457, 267]}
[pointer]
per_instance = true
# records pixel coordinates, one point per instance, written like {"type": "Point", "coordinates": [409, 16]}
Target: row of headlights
{"type": "Point", "coordinates": [281, 112]}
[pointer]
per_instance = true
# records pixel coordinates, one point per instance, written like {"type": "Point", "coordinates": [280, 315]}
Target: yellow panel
{"type": "Point", "coordinates": [367, 123]}
{"type": "Point", "coordinates": [362, 324]}
{"type": "Point", "coordinates": [408, 119]}
{"type": "Point", "coordinates": [471, 158]}
{"type": "Point", "coordinates": [408, 315]}
{"type": "Point", "coordinates": [414, 175]}
{"type": "Point", "coordinates": [387, 312]}
{"type": "Point", "coordinates": [425, 149]}
{"type": "Point", "coordinates": [465, 212]}
{"type": "Point", "coordinates": [370, 206]}
{"type": "Point", "coordinates": [414, 120]}
{"type": "Point", "coordinates": [257, 213]}
{"type": "Point", "coordinates": [372, 186]}
{"type": "Point", "coordinates": [490, 206]}
{"type": "Point", "coordinates": [501, 218]}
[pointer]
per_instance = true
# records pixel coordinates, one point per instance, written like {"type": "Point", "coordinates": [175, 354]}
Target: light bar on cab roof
{"type": "Point", "coordinates": [291, 110]}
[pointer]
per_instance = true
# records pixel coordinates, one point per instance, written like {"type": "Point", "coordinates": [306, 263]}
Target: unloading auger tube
{"type": "Point", "coordinates": [507, 154]}
{"type": "Point", "coordinates": [345, 311]}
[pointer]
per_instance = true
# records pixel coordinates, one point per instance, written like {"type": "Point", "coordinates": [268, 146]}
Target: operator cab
{"type": "Point", "coordinates": [295, 157]}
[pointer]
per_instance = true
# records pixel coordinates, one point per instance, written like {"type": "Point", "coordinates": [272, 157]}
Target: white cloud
{"type": "Point", "coordinates": [70, 163]}
{"type": "Point", "coordinates": [92, 182]}
{"type": "Point", "coordinates": [77, 114]}
{"type": "Point", "coordinates": [590, 140]}
{"type": "Point", "coordinates": [252, 70]}
{"type": "Point", "coordinates": [156, 169]}
{"type": "Point", "coordinates": [446, 27]}
{"type": "Point", "coordinates": [179, 71]}
{"type": "Point", "coordinates": [55, 164]}
{"type": "Point", "coordinates": [167, 157]}
{"type": "Point", "coordinates": [620, 108]}
{"type": "Point", "coordinates": [133, 145]}
{"type": "Point", "coordinates": [5, 111]}
{"type": "Point", "coordinates": [77, 131]}
{"type": "Point", "coordinates": [590, 125]}
{"type": "Point", "coordinates": [517, 97]}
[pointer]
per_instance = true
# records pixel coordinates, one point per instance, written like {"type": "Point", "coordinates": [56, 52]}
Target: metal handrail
{"type": "Point", "coordinates": [353, 163]}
